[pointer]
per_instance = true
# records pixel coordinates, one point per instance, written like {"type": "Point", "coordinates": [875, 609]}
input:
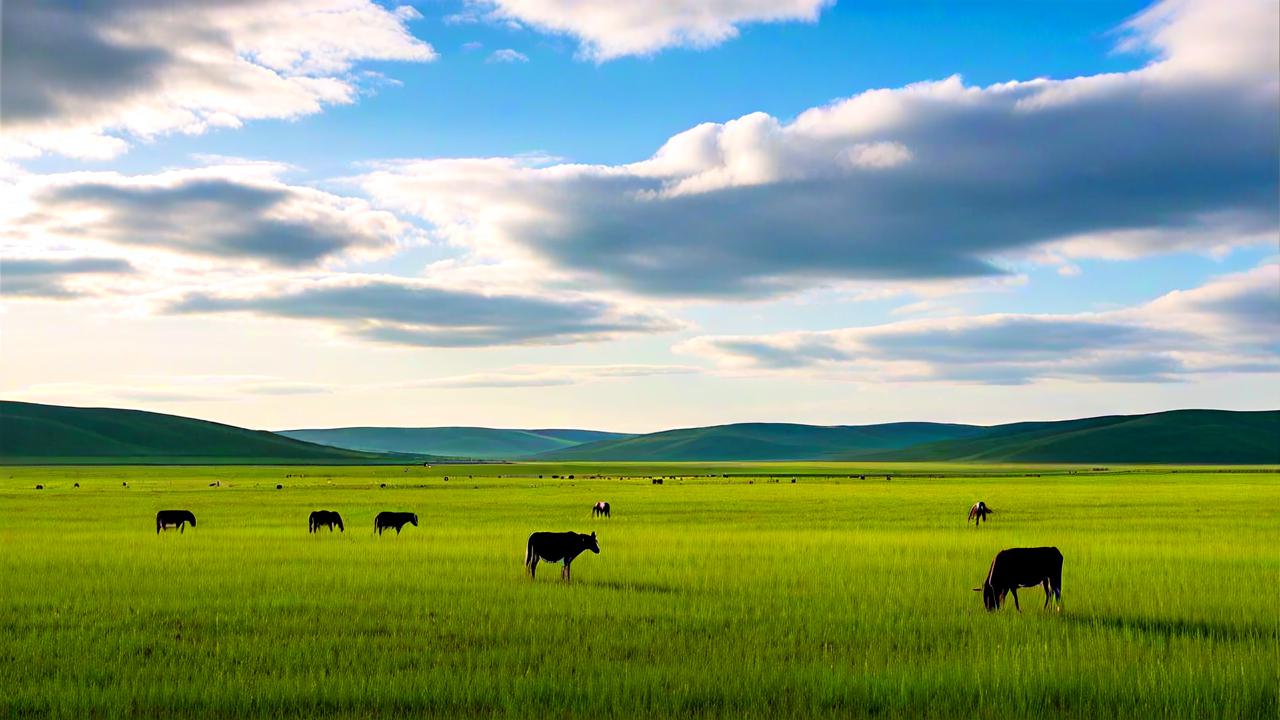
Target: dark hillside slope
{"type": "Point", "coordinates": [760, 441]}
{"type": "Point", "coordinates": [1179, 436]}
{"type": "Point", "coordinates": [471, 442]}
{"type": "Point", "coordinates": [31, 432]}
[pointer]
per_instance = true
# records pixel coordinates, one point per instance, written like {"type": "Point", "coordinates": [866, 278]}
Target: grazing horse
{"type": "Point", "coordinates": [978, 513]}
{"type": "Point", "coordinates": [1023, 567]}
{"type": "Point", "coordinates": [174, 518]}
{"type": "Point", "coordinates": [395, 520]}
{"type": "Point", "coordinates": [325, 517]}
{"type": "Point", "coordinates": [600, 508]}
{"type": "Point", "coordinates": [557, 547]}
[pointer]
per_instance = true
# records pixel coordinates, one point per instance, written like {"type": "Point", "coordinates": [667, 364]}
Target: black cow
{"type": "Point", "coordinates": [174, 518]}
{"type": "Point", "coordinates": [557, 547]}
{"type": "Point", "coordinates": [600, 508]}
{"type": "Point", "coordinates": [321, 518]}
{"type": "Point", "coordinates": [1023, 567]}
{"type": "Point", "coordinates": [395, 520]}
{"type": "Point", "coordinates": [978, 513]}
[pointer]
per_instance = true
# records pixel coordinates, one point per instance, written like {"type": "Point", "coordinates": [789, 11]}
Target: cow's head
{"type": "Point", "coordinates": [591, 543]}
{"type": "Point", "coordinates": [414, 519]}
{"type": "Point", "coordinates": [990, 598]}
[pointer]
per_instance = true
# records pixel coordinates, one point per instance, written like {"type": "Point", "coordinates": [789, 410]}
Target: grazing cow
{"type": "Point", "coordinates": [174, 518]}
{"type": "Point", "coordinates": [1023, 567]}
{"type": "Point", "coordinates": [657, 481]}
{"type": "Point", "coordinates": [978, 513]}
{"type": "Point", "coordinates": [76, 485]}
{"type": "Point", "coordinates": [279, 487]}
{"type": "Point", "coordinates": [39, 487]}
{"type": "Point", "coordinates": [557, 547]}
{"type": "Point", "coordinates": [395, 520]}
{"type": "Point", "coordinates": [325, 517]}
{"type": "Point", "coordinates": [600, 508]}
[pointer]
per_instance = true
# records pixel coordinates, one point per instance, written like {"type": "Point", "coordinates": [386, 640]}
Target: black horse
{"type": "Point", "coordinates": [395, 520]}
{"type": "Point", "coordinates": [321, 518]}
{"type": "Point", "coordinates": [557, 547]}
{"type": "Point", "coordinates": [174, 518]}
{"type": "Point", "coordinates": [1023, 567]}
{"type": "Point", "coordinates": [600, 508]}
{"type": "Point", "coordinates": [978, 513]}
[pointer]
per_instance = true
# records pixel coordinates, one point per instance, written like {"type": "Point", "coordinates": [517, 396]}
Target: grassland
{"type": "Point", "coordinates": [716, 596]}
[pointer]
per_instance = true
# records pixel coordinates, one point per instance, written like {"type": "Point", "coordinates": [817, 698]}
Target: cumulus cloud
{"type": "Point", "coordinates": [84, 78]}
{"type": "Point", "coordinates": [56, 277]}
{"type": "Point", "coordinates": [414, 313]}
{"type": "Point", "coordinates": [1231, 324]}
{"type": "Point", "coordinates": [609, 30]}
{"type": "Point", "coordinates": [507, 55]}
{"type": "Point", "coordinates": [932, 181]}
{"type": "Point", "coordinates": [225, 213]}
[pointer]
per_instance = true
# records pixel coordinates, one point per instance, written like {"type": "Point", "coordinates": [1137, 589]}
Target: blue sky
{"type": "Point", "coordinates": [528, 213]}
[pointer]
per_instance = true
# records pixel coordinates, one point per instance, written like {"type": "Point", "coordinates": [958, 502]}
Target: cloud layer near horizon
{"type": "Point", "coordinates": [1231, 324]}
{"type": "Point", "coordinates": [85, 78]}
{"type": "Point", "coordinates": [414, 313]}
{"type": "Point", "coordinates": [931, 181]}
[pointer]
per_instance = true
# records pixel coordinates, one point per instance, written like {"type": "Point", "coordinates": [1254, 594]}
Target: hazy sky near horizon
{"type": "Point", "coordinates": [637, 216]}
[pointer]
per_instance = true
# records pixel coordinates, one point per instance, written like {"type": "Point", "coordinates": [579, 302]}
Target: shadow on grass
{"type": "Point", "coordinates": [1176, 628]}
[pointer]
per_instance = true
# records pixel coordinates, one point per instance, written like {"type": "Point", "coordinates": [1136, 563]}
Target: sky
{"type": "Point", "coordinates": [640, 216]}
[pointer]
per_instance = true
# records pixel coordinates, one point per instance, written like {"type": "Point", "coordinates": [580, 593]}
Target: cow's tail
{"type": "Point", "coordinates": [528, 552]}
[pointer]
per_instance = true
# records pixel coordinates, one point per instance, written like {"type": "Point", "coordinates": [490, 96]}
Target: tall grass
{"type": "Point", "coordinates": [712, 597]}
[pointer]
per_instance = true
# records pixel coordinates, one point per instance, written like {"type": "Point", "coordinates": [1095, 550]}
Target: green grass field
{"type": "Point", "coordinates": [712, 597]}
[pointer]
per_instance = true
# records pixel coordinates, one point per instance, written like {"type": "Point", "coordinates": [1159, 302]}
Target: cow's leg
{"type": "Point", "coordinates": [532, 567]}
{"type": "Point", "coordinates": [1015, 599]}
{"type": "Point", "coordinates": [182, 527]}
{"type": "Point", "coordinates": [1047, 593]}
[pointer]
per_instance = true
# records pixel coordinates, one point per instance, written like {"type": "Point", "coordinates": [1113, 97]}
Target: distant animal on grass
{"type": "Point", "coordinates": [124, 484]}
{"type": "Point", "coordinates": [600, 508]}
{"type": "Point", "coordinates": [1019, 568]}
{"type": "Point", "coordinates": [397, 520]}
{"type": "Point", "coordinates": [321, 518]}
{"type": "Point", "coordinates": [76, 485]}
{"type": "Point", "coordinates": [279, 487]}
{"type": "Point", "coordinates": [383, 486]}
{"type": "Point", "coordinates": [216, 483]}
{"type": "Point", "coordinates": [166, 519]}
{"type": "Point", "coordinates": [978, 513]}
{"type": "Point", "coordinates": [39, 487]}
{"type": "Point", "coordinates": [557, 547]}
{"type": "Point", "coordinates": [657, 481]}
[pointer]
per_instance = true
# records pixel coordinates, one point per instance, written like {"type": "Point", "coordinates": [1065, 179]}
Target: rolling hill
{"type": "Point", "coordinates": [762, 441]}
{"type": "Point", "coordinates": [1178, 436]}
{"type": "Point", "coordinates": [34, 433]}
{"type": "Point", "coordinates": [471, 442]}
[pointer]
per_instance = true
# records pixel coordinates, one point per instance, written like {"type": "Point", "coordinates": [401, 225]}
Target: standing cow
{"type": "Point", "coordinates": [1023, 567]}
{"type": "Point", "coordinates": [395, 520]}
{"type": "Point", "coordinates": [174, 518]}
{"type": "Point", "coordinates": [322, 518]}
{"type": "Point", "coordinates": [978, 513]}
{"type": "Point", "coordinates": [557, 547]}
{"type": "Point", "coordinates": [599, 509]}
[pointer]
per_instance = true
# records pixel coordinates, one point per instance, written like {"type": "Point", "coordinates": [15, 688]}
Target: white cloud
{"type": "Point", "coordinates": [84, 79]}
{"type": "Point", "coordinates": [507, 55]}
{"type": "Point", "coordinates": [551, 376]}
{"type": "Point", "coordinates": [932, 181]}
{"type": "Point", "coordinates": [609, 30]}
{"type": "Point", "coordinates": [1231, 324]}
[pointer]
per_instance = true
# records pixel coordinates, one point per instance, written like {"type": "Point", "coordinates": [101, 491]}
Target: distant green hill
{"type": "Point", "coordinates": [762, 441]}
{"type": "Point", "coordinates": [471, 442]}
{"type": "Point", "coordinates": [33, 433]}
{"type": "Point", "coordinates": [1178, 436]}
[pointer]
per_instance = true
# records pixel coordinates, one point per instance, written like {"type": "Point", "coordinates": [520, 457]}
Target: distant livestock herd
{"type": "Point", "coordinates": [1010, 570]}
